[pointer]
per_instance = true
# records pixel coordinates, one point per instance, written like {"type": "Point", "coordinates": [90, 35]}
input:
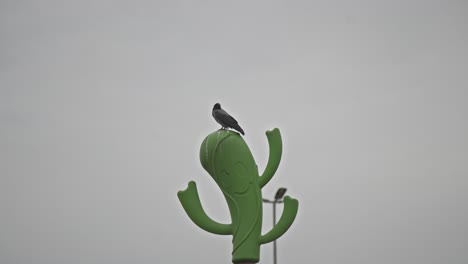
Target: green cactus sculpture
{"type": "Point", "coordinates": [227, 158]}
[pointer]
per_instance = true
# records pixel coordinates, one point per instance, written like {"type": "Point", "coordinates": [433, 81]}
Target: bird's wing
{"type": "Point", "coordinates": [223, 115]}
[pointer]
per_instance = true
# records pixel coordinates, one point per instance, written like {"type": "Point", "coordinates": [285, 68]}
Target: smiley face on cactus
{"type": "Point", "coordinates": [233, 173]}
{"type": "Point", "coordinates": [235, 179]}
{"type": "Point", "coordinates": [227, 158]}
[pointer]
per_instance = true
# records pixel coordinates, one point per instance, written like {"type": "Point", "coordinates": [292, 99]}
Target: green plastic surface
{"type": "Point", "coordinates": [227, 158]}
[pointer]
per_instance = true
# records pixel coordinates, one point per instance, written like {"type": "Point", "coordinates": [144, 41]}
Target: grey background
{"type": "Point", "coordinates": [104, 104]}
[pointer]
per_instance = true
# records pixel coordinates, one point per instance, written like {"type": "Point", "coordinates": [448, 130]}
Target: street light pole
{"type": "Point", "coordinates": [278, 199]}
{"type": "Point", "coordinates": [274, 223]}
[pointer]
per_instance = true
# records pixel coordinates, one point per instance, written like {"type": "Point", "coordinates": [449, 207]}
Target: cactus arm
{"type": "Point", "coordinates": [191, 203]}
{"type": "Point", "coordinates": [276, 149]}
{"type": "Point", "coordinates": [287, 218]}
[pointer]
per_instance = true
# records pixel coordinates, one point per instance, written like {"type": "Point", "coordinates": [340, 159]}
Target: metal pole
{"type": "Point", "coordinates": [274, 223]}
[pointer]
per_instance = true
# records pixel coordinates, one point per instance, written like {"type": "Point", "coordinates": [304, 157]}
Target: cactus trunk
{"type": "Point", "coordinates": [246, 217]}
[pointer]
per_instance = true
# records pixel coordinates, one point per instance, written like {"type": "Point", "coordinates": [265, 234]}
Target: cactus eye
{"type": "Point", "coordinates": [225, 178]}
{"type": "Point", "coordinates": [240, 170]}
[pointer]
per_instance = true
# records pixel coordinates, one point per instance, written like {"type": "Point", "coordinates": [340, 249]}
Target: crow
{"type": "Point", "coordinates": [224, 119]}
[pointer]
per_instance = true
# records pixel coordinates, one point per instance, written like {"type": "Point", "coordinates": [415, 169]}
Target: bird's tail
{"type": "Point", "coordinates": [238, 128]}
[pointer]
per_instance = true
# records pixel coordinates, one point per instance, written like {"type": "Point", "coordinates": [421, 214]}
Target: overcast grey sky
{"type": "Point", "coordinates": [104, 104]}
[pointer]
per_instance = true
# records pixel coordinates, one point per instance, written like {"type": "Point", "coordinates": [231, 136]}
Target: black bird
{"type": "Point", "coordinates": [224, 119]}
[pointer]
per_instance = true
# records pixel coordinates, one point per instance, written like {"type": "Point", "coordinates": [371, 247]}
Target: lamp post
{"type": "Point", "coordinates": [278, 199]}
